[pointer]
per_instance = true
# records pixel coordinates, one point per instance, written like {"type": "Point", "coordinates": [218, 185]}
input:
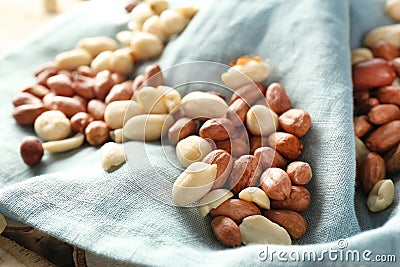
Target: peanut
{"type": "Point", "coordinates": [194, 183]}
{"type": "Point", "coordinates": [147, 127]}
{"type": "Point", "coordinates": [23, 98]}
{"type": "Point", "coordinates": [260, 120]}
{"type": "Point", "coordinates": [392, 160]}
{"type": "Point", "coordinates": [212, 200]}
{"type": "Point", "coordinates": [256, 195]}
{"type": "Point", "coordinates": [276, 183]}
{"type": "Point", "coordinates": [277, 99]}
{"type": "Point", "coordinates": [298, 200]}
{"type": "Point", "coordinates": [52, 125]}
{"type": "Point", "coordinates": [27, 114]}
{"type": "Point", "coordinates": [246, 172]}
{"type": "Point", "coordinates": [383, 113]}
{"type": "Point", "coordinates": [292, 221]}
{"type": "Point", "coordinates": [118, 112]}
{"type": "Point", "coordinates": [111, 155]}
{"type": "Point", "coordinates": [381, 196]}
{"type": "Point", "coordinates": [236, 209]}
{"type": "Point", "coordinates": [65, 144]}
{"type": "Point", "coordinates": [295, 121]}
{"type": "Point", "coordinates": [372, 170]}
{"type": "Point", "coordinates": [71, 60]}
{"type": "Point", "coordinates": [201, 105]}
{"type": "Point", "coordinates": [269, 157]}
{"type": "Point", "coordinates": [285, 143]}
{"type": "Point", "coordinates": [98, 44]}
{"type": "Point", "coordinates": [299, 172]}
{"type": "Point", "coordinates": [96, 133]}
{"type": "Point", "coordinates": [31, 150]}
{"type": "Point", "coordinates": [217, 129]}
{"type": "Point", "coordinates": [259, 230]}
{"type": "Point", "coordinates": [192, 149]}
{"type": "Point", "coordinates": [224, 163]}
{"type": "Point", "coordinates": [181, 129]}
{"type": "Point", "coordinates": [385, 137]}
{"type": "Point", "coordinates": [226, 231]}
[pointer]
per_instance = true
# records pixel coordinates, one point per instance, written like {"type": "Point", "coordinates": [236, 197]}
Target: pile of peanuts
{"type": "Point", "coordinates": [376, 72]}
{"type": "Point", "coordinates": [82, 94]}
{"type": "Point", "coordinates": [240, 159]}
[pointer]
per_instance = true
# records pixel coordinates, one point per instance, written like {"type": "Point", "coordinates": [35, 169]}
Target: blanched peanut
{"type": "Point", "coordinates": [192, 149]}
{"type": "Point", "coordinates": [260, 120]}
{"type": "Point", "coordinates": [194, 183]}
{"type": "Point", "coordinates": [141, 13]}
{"type": "Point", "coordinates": [121, 62]}
{"type": "Point", "coordinates": [256, 195]}
{"type": "Point", "coordinates": [154, 25]}
{"type": "Point", "coordinates": [157, 6]}
{"type": "Point", "coordinates": [101, 61]}
{"type": "Point", "coordinates": [387, 33]}
{"type": "Point", "coordinates": [65, 144]}
{"type": "Point", "coordinates": [257, 229]}
{"type": "Point", "coordinates": [171, 97]}
{"type": "Point", "coordinates": [111, 155]}
{"type": "Point", "coordinates": [147, 127]}
{"type": "Point", "coordinates": [52, 125]}
{"type": "Point", "coordinates": [71, 60]}
{"type": "Point", "coordinates": [118, 112]}
{"type": "Point", "coordinates": [381, 195]}
{"type": "Point", "coordinates": [173, 22]}
{"type": "Point", "coordinates": [117, 135]}
{"type": "Point", "coordinates": [146, 45]}
{"type": "Point", "coordinates": [240, 75]}
{"type": "Point", "coordinates": [201, 105]}
{"type": "Point", "coordinates": [188, 11]}
{"type": "Point", "coordinates": [124, 37]}
{"type": "Point", "coordinates": [151, 100]}
{"type": "Point", "coordinates": [360, 54]}
{"type": "Point", "coordinates": [212, 200]}
{"type": "Point", "coordinates": [98, 44]}
{"type": "Point", "coordinates": [392, 8]}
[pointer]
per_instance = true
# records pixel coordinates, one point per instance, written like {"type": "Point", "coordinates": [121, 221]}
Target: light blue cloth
{"type": "Point", "coordinates": [113, 214]}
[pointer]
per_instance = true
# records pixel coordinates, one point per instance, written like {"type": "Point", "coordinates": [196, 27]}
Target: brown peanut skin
{"type": "Point", "coordinates": [80, 121]}
{"type": "Point", "coordinates": [385, 50]}
{"type": "Point", "coordinates": [249, 93]}
{"type": "Point", "coordinates": [31, 150]}
{"type": "Point", "coordinates": [292, 221]}
{"type": "Point", "coordinates": [362, 126]}
{"type": "Point", "coordinates": [181, 129]}
{"type": "Point", "coordinates": [298, 200]}
{"type": "Point", "coordinates": [285, 143]}
{"type": "Point", "coordinates": [383, 113]}
{"type": "Point", "coordinates": [27, 114]}
{"type": "Point", "coordinates": [96, 108]}
{"type": "Point", "coordinates": [122, 91]}
{"type": "Point", "coordinates": [224, 163]}
{"type": "Point", "coordinates": [389, 94]}
{"type": "Point", "coordinates": [236, 209]}
{"type": "Point", "coordinates": [256, 142]}
{"type": "Point", "coordinates": [60, 84]}
{"type": "Point", "coordinates": [37, 90]}
{"type": "Point", "coordinates": [372, 171]}
{"type": "Point", "coordinates": [153, 76]}
{"type": "Point", "coordinates": [226, 231]}
{"type": "Point", "coordinates": [276, 183]}
{"type": "Point", "coordinates": [23, 98]}
{"type": "Point", "coordinates": [295, 121]}
{"type": "Point", "coordinates": [299, 172]}
{"type": "Point", "coordinates": [68, 105]}
{"type": "Point", "coordinates": [217, 129]}
{"type": "Point", "coordinates": [277, 99]}
{"type": "Point", "coordinates": [239, 148]}
{"type": "Point", "coordinates": [392, 160]}
{"type": "Point", "coordinates": [269, 157]}
{"type": "Point", "coordinates": [84, 86]}
{"type": "Point", "coordinates": [372, 73]}
{"type": "Point", "coordinates": [85, 71]}
{"type": "Point", "coordinates": [385, 137]}
{"type": "Point", "coordinates": [237, 112]}
{"type": "Point", "coordinates": [96, 133]}
{"type": "Point", "coordinates": [103, 83]}
{"type": "Point", "coordinates": [246, 172]}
